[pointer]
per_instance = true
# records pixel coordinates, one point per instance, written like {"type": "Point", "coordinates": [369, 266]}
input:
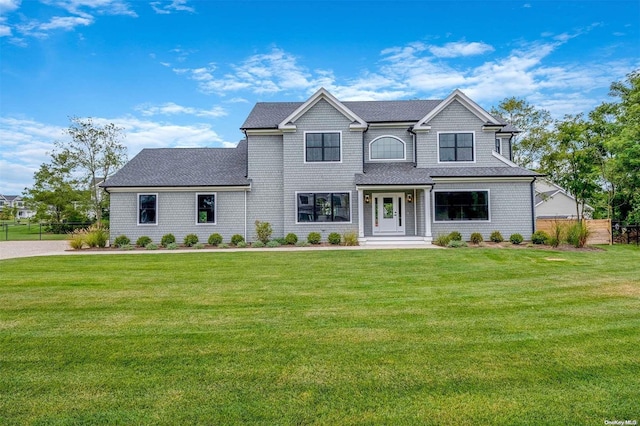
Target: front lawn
{"type": "Point", "coordinates": [468, 336]}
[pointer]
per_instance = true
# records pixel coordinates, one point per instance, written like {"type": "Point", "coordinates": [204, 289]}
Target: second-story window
{"type": "Point", "coordinates": [455, 147]}
{"type": "Point", "coordinates": [387, 148]}
{"type": "Point", "coordinates": [322, 147]}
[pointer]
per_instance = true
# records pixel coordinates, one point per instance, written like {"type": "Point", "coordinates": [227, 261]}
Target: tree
{"type": "Point", "coordinates": [94, 153]}
{"type": "Point", "coordinates": [54, 195]}
{"type": "Point", "coordinates": [527, 146]}
{"type": "Point", "coordinates": [570, 160]}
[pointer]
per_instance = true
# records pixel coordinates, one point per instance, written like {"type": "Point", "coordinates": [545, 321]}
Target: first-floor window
{"type": "Point", "coordinates": [206, 208]}
{"type": "Point", "coordinates": [147, 209]}
{"type": "Point", "coordinates": [461, 205]}
{"type": "Point", "coordinates": [324, 207]}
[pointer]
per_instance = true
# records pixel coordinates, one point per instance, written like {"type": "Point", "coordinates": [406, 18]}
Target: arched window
{"type": "Point", "coordinates": [387, 148]}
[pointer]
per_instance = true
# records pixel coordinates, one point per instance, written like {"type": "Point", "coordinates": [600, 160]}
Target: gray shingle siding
{"type": "Point", "coordinates": [266, 175]}
{"type": "Point", "coordinates": [176, 214]}
{"type": "Point", "coordinates": [510, 210]}
{"type": "Point", "coordinates": [320, 176]}
{"type": "Point", "coordinates": [455, 118]}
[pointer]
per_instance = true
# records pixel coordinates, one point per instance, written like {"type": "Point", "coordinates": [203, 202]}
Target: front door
{"type": "Point", "coordinates": [388, 214]}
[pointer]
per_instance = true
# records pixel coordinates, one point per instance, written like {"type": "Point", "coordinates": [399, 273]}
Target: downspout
{"type": "Point", "coordinates": [245, 215]}
{"type": "Point", "coordinates": [363, 147]}
{"type": "Point", "coordinates": [511, 148]}
{"type": "Point", "coordinates": [415, 146]}
{"type": "Point", "coordinates": [246, 174]}
{"type": "Point", "coordinates": [533, 206]}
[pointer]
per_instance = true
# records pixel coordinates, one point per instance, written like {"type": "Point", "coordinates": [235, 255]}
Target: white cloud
{"type": "Point", "coordinates": [165, 8]}
{"type": "Point", "coordinates": [66, 23]}
{"type": "Point", "coordinates": [456, 49]}
{"type": "Point", "coordinates": [26, 144]}
{"type": "Point", "coordinates": [271, 72]}
{"type": "Point", "coordinates": [9, 5]}
{"type": "Point", "coordinates": [171, 108]}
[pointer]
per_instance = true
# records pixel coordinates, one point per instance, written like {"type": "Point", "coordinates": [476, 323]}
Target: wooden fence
{"type": "Point", "coordinates": [599, 229]}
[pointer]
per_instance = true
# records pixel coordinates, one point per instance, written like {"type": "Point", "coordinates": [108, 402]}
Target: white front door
{"type": "Point", "coordinates": [388, 214]}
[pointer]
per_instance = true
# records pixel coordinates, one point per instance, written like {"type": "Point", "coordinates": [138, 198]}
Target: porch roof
{"type": "Point", "coordinates": [393, 174]}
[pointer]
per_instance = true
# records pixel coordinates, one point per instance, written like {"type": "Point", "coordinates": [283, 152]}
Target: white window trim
{"type": "Point", "coordinates": [473, 133]}
{"type": "Point", "coordinates": [404, 149]}
{"type": "Point", "coordinates": [433, 205]}
{"type": "Point", "coordinates": [215, 208]}
{"type": "Point", "coordinates": [499, 145]}
{"type": "Point", "coordinates": [325, 192]}
{"type": "Point", "coordinates": [304, 150]}
{"type": "Point", "coordinates": [138, 209]}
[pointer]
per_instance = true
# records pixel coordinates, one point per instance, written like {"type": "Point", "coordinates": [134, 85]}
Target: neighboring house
{"type": "Point", "coordinates": [553, 202]}
{"type": "Point", "coordinates": [388, 170]}
{"type": "Point", "coordinates": [16, 201]}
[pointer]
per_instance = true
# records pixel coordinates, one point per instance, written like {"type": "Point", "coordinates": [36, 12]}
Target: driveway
{"type": "Point", "coordinates": [15, 249]}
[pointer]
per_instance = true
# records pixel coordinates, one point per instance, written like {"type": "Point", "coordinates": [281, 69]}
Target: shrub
{"type": "Point", "coordinates": [151, 246]}
{"type": "Point", "coordinates": [496, 237]}
{"type": "Point", "coordinates": [236, 239]}
{"type": "Point", "coordinates": [263, 231]}
{"type": "Point", "coordinates": [143, 241]}
{"type": "Point", "coordinates": [557, 233]}
{"type": "Point", "coordinates": [199, 246]}
{"type": "Point", "coordinates": [77, 239]}
{"type": "Point", "coordinates": [455, 236]}
{"type": "Point", "coordinates": [242, 244]}
{"type": "Point", "coordinates": [126, 247]}
{"type": "Point", "coordinates": [97, 236]}
{"type": "Point", "coordinates": [577, 234]}
{"type": "Point", "coordinates": [442, 240]}
{"type": "Point", "coordinates": [167, 239]}
{"type": "Point", "coordinates": [90, 239]}
{"type": "Point", "coordinates": [215, 239]}
{"type": "Point", "coordinates": [224, 245]}
{"type": "Point", "coordinates": [476, 238]}
{"type": "Point", "coordinates": [172, 246]}
{"type": "Point", "coordinates": [516, 238]}
{"type": "Point", "coordinates": [539, 237]}
{"type": "Point", "coordinates": [122, 240]}
{"type": "Point", "coordinates": [350, 238]}
{"type": "Point", "coordinates": [314, 238]}
{"type": "Point", "coordinates": [334, 238]}
{"type": "Point", "coordinates": [190, 240]}
{"type": "Point", "coordinates": [273, 244]}
{"type": "Point", "coordinates": [291, 238]}
{"type": "Point", "coordinates": [280, 241]}
{"type": "Point", "coordinates": [302, 244]}
{"type": "Point", "coordinates": [257, 244]}
{"type": "Point", "coordinates": [456, 244]}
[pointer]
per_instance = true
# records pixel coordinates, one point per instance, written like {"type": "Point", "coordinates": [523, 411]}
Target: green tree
{"type": "Point", "coordinates": [55, 195]}
{"type": "Point", "coordinates": [94, 153]}
{"type": "Point", "coordinates": [571, 159]}
{"type": "Point", "coordinates": [534, 124]}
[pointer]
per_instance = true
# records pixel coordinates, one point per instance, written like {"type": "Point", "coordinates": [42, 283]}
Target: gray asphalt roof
{"type": "Point", "coordinates": [180, 167]}
{"type": "Point", "coordinates": [267, 115]}
{"type": "Point", "coordinates": [408, 174]}
{"type": "Point", "coordinates": [393, 174]}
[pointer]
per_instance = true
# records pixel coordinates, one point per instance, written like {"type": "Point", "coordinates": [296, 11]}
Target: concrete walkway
{"type": "Point", "coordinates": [17, 249]}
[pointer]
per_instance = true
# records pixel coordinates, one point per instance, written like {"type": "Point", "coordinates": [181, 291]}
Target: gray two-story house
{"type": "Point", "coordinates": [388, 170]}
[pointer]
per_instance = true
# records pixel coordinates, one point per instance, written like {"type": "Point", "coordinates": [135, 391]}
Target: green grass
{"type": "Point", "coordinates": [26, 232]}
{"type": "Point", "coordinates": [466, 336]}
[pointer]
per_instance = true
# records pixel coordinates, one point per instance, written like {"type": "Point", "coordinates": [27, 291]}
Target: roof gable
{"type": "Point", "coordinates": [289, 122]}
{"type": "Point", "coordinates": [465, 101]}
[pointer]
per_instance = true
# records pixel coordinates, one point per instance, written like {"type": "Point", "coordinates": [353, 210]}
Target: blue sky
{"type": "Point", "coordinates": [185, 73]}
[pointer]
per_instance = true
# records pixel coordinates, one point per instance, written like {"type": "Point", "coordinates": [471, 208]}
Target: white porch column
{"type": "Point", "coordinates": [360, 213]}
{"type": "Point", "coordinates": [427, 216]}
